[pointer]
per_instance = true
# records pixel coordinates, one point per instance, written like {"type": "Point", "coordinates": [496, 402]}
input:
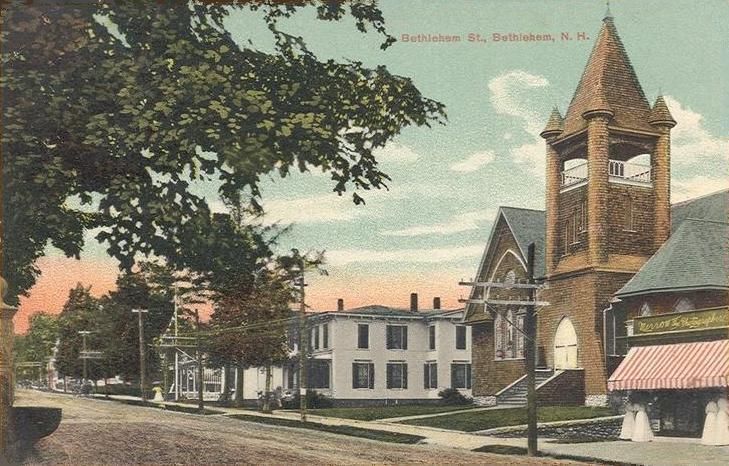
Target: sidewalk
{"type": "Point", "coordinates": [662, 452]}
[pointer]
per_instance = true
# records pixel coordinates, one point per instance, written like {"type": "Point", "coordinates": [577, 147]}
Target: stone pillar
{"type": "Point", "coordinates": [661, 174]}
{"type": "Point", "coordinates": [553, 182]}
{"type": "Point", "coordinates": [6, 370]}
{"type": "Point", "coordinates": [598, 144]}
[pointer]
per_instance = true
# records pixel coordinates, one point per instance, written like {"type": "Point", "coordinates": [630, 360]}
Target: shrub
{"type": "Point", "coordinates": [314, 400]}
{"type": "Point", "coordinates": [451, 396]}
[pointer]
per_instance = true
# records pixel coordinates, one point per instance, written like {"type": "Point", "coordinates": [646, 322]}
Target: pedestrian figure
{"type": "Point", "coordinates": [722, 421]}
{"type": "Point", "coordinates": [642, 431]}
{"type": "Point", "coordinates": [626, 431]}
{"type": "Point", "coordinates": [708, 436]}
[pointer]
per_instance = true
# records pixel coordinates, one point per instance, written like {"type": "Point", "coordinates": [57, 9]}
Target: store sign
{"type": "Point", "coordinates": [693, 320]}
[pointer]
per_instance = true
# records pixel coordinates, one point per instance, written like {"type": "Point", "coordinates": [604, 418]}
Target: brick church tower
{"type": "Point", "coordinates": [607, 206]}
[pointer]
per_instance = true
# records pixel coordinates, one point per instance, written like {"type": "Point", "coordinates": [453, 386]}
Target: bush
{"type": "Point", "coordinates": [314, 400]}
{"type": "Point", "coordinates": [451, 396]}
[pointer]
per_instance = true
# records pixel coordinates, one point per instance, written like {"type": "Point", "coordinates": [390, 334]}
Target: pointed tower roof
{"type": "Point", "coordinates": [660, 115]}
{"type": "Point", "coordinates": [555, 125]}
{"type": "Point", "coordinates": [609, 84]}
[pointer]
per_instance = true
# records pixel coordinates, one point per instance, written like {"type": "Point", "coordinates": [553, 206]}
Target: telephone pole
{"type": "Point", "coordinates": [200, 368]}
{"type": "Point", "coordinates": [142, 355]}
{"type": "Point", "coordinates": [303, 337]}
{"type": "Point", "coordinates": [84, 334]}
{"type": "Point", "coordinates": [530, 353]}
{"type": "Point", "coordinates": [529, 331]}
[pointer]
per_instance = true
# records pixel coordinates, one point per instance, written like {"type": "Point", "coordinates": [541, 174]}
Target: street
{"type": "Point", "coordinates": [105, 432]}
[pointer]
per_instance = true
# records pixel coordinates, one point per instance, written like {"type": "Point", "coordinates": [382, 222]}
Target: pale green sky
{"type": "Point", "coordinates": [448, 181]}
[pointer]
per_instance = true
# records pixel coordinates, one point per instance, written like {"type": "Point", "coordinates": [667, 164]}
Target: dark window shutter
{"type": "Point", "coordinates": [468, 376]}
{"type": "Point", "coordinates": [434, 376]}
{"type": "Point", "coordinates": [372, 375]}
{"type": "Point", "coordinates": [453, 376]}
{"type": "Point", "coordinates": [389, 337]}
{"type": "Point", "coordinates": [426, 376]}
{"type": "Point", "coordinates": [354, 375]}
{"type": "Point", "coordinates": [404, 337]}
{"type": "Point", "coordinates": [405, 375]}
{"type": "Point", "coordinates": [389, 376]}
{"type": "Point", "coordinates": [325, 336]}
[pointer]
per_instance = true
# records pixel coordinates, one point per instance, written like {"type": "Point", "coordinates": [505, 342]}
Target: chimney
{"type": "Point", "coordinates": [340, 305]}
{"type": "Point", "coordinates": [436, 302]}
{"type": "Point", "coordinates": [413, 302]}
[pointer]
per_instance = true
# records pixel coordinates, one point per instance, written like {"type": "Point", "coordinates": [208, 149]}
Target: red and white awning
{"type": "Point", "coordinates": [677, 366]}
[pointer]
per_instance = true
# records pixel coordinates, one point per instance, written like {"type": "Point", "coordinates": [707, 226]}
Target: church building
{"type": "Point", "coordinates": [617, 260]}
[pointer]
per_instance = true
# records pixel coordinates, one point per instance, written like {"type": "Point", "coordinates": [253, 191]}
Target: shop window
{"type": "Point", "coordinates": [397, 375]}
{"type": "Point", "coordinates": [363, 375]}
{"type": "Point", "coordinates": [683, 305]}
{"type": "Point", "coordinates": [461, 375]}
{"type": "Point", "coordinates": [430, 375]}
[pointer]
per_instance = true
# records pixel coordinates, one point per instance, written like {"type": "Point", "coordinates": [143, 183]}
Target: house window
{"type": "Point", "coordinates": [319, 373]}
{"type": "Point", "coordinates": [431, 337]}
{"type": "Point", "coordinates": [325, 335]}
{"type": "Point", "coordinates": [683, 305]}
{"type": "Point", "coordinates": [430, 375]}
{"type": "Point", "coordinates": [397, 337]}
{"type": "Point", "coordinates": [363, 336]}
{"type": "Point", "coordinates": [315, 338]}
{"type": "Point", "coordinates": [363, 375]}
{"type": "Point", "coordinates": [461, 375]}
{"type": "Point", "coordinates": [508, 336]}
{"type": "Point", "coordinates": [397, 375]}
{"type": "Point", "coordinates": [460, 337]}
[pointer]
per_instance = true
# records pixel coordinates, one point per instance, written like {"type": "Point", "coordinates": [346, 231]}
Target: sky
{"type": "Point", "coordinates": [429, 229]}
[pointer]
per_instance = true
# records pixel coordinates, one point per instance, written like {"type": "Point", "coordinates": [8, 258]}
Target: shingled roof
{"type": "Point", "coordinates": [696, 256]}
{"type": "Point", "coordinates": [609, 83]}
{"type": "Point", "coordinates": [713, 207]}
{"type": "Point", "coordinates": [528, 226]}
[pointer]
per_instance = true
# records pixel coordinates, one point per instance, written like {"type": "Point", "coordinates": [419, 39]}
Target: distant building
{"type": "Point", "coordinates": [376, 355]}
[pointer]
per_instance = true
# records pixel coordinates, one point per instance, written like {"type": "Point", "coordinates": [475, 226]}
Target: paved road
{"type": "Point", "coordinates": [105, 432]}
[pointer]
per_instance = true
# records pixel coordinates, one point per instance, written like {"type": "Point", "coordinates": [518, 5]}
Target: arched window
{"type": "Point", "coordinates": [510, 277]}
{"type": "Point", "coordinates": [508, 338]}
{"type": "Point", "coordinates": [511, 335]}
{"type": "Point", "coordinates": [499, 336]}
{"type": "Point", "coordinates": [645, 310]}
{"type": "Point", "coordinates": [683, 305]}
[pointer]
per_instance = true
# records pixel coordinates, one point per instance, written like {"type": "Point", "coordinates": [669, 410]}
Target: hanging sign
{"type": "Point", "coordinates": [692, 320]}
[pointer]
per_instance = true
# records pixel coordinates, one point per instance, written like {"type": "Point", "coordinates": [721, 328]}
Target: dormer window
{"type": "Point", "coordinates": [645, 310]}
{"type": "Point", "coordinates": [683, 305]}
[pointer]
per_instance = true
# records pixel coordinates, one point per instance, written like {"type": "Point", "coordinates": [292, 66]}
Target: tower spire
{"type": "Point", "coordinates": [608, 13]}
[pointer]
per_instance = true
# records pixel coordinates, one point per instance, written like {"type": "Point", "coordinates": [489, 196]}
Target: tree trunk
{"type": "Point", "coordinates": [267, 393]}
{"type": "Point", "coordinates": [238, 402]}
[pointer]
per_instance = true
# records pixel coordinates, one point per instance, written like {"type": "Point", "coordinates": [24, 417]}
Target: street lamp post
{"type": "Point", "coordinates": [142, 356]}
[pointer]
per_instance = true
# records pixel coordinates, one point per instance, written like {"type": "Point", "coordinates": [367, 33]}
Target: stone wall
{"type": "Point", "coordinates": [565, 388]}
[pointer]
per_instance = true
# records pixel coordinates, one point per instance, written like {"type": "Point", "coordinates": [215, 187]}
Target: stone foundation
{"type": "Point", "coordinates": [484, 400]}
{"type": "Point", "coordinates": [596, 400]}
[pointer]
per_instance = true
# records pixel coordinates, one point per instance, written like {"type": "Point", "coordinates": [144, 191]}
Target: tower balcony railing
{"type": "Point", "coordinates": [618, 172]}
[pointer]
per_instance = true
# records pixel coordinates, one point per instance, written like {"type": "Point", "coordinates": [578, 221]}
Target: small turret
{"type": "Point", "coordinates": [555, 125]}
{"type": "Point", "coordinates": [661, 115]}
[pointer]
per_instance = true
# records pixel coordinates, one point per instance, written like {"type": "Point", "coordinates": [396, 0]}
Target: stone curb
{"type": "Point", "coordinates": [567, 423]}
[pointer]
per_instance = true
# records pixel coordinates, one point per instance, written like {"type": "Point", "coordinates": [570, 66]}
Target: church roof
{"type": "Point", "coordinates": [713, 207]}
{"type": "Point", "coordinates": [696, 256]}
{"type": "Point", "coordinates": [528, 226]}
{"type": "Point", "coordinates": [609, 83]}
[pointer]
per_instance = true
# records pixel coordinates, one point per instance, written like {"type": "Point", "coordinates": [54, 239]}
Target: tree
{"type": "Point", "coordinates": [111, 110]}
{"type": "Point", "coordinates": [38, 343]}
{"type": "Point", "coordinates": [81, 312]}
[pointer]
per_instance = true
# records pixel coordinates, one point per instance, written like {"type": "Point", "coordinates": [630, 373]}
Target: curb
{"type": "Point", "coordinates": [571, 422]}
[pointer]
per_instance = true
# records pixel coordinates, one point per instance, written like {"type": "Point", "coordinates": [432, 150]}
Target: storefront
{"type": "Point", "coordinates": [676, 365]}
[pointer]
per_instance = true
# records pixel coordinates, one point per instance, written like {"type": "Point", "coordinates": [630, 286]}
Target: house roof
{"type": "Point", "coordinates": [528, 226]}
{"type": "Point", "coordinates": [609, 83]}
{"type": "Point", "coordinates": [695, 256]}
{"type": "Point", "coordinates": [377, 310]}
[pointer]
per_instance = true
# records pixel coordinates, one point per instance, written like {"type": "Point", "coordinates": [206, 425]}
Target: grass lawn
{"type": "Point", "coordinates": [516, 451]}
{"type": "Point", "coordinates": [381, 435]}
{"type": "Point", "coordinates": [490, 419]}
{"type": "Point", "coordinates": [383, 412]}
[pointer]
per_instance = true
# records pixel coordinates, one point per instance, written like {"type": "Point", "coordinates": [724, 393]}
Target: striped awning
{"type": "Point", "coordinates": [677, 366]}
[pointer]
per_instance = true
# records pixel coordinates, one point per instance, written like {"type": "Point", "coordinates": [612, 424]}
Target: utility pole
{"type": "Point", "coordinates": [142, 356]}
{"type": "Point", "coordinates": [529, 331]}
{"type": "Point", "coordinates": [530, 347]}
{"type": "Point", "coordinates": [200, 368]}
{"type": "Point", "coordinates": [177, 353]}
{"type": "Point", "coordinates": [303, 338]}
{"type": "Point", "coordinates": [84, 334]}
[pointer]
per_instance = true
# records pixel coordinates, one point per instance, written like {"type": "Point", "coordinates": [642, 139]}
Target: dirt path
{"type": "Point", "coordinates": [104, 432]}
